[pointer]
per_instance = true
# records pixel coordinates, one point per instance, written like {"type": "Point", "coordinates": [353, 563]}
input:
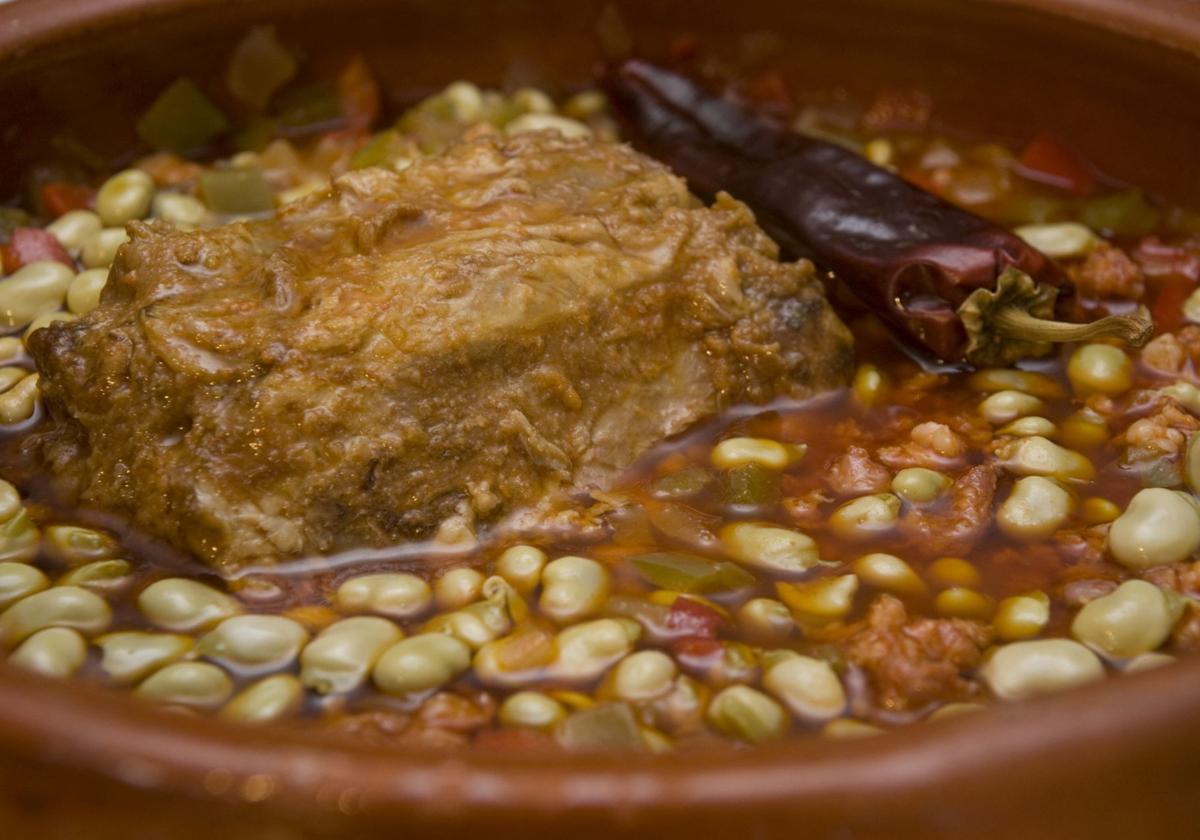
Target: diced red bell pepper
{"type": "Point", "coordinates": [358, 93]}
{"type": "Point", "coordinates": [62, 197]}
{"type": "Point", "coordinates": [29, 245]}
{"type": "Point", "coordinates": [1048, 161]}
{"type": "Point", "coordinates": [688, 618]}
{"type": "Point", "coordinates": [920, 178]}
{"type": "Point", "coordinates": [1167, 294]}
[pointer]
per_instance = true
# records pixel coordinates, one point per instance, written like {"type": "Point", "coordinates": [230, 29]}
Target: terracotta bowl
{"type": "Point", "coordinates": [1120, 78]}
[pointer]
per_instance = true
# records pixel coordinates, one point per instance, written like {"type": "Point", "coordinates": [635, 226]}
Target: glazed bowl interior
{"type": "Point", "coordinates": [1119, 79]}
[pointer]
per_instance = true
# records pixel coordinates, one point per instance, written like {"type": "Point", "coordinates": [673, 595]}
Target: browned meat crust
{"type": "Point", "coordinates": [464, 337]}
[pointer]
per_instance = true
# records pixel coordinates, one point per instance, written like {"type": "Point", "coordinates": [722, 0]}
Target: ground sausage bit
{"type": "Point", "coordinates": [1108, 272]}
{"type": "Point", "coordinates": [807, 509]}
{"type": "Point", "coordinates": [856, 473]}
{"type": "Point", "coordinates": [954, 528]}
{"type": "Point", "coordinates": [1162, 433]}
{"type": "Point", "coordinates": [930, 444]}
{"type": "Point", "coordinates": [1077, 593]}
{"type": "Point", "coordinates": [912, 662]}
{"type": "Point", "coordinates": [1189, 340]}
{"type": "Point", "coordinates": [1185, 638]}
{"type": "Point", "coordinates": [1183, 578]}
{"type": "Point", "coordinates": [1164, 354]}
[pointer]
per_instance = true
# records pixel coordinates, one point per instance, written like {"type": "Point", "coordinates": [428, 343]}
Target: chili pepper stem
{"type": "Point", "coordinates": [1014, 322]}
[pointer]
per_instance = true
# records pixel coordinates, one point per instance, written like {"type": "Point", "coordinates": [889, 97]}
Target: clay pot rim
{"type": "Point", "coordinates": [26, 25]}
{"type": "Point", "coordinates": [93, 728]}
{"type": "Point", "coordinates": [88, 727]}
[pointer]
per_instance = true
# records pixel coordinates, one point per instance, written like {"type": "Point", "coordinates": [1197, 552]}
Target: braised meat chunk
{"type": "Point", "coordinates": [461, 339]}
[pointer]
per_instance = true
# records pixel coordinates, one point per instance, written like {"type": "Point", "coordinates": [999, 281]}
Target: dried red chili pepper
{"type": "Point", "coordinates": [62, 197]}
{"type": "Point", "coordinates": [949, 282]}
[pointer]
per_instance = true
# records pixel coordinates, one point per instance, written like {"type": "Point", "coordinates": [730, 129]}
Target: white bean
{"type": "Point", "coordinates": [866, 517]}
{"type": "Point", "coordinates": [62, 606]}
{"type": "Point", "coordinates": [1038, 456]}
{"type": "Point", "coordinates": [31, 290]}
{"type": "Point", "coordinates": [83, 295]}
{"type": "Point", "coordinates": [565, 126]}
{"type": "Point", "coordinates": [532, 101]}
{"type": "Point", "coordinates": [1021, 616]}
{"type": "Point", "coordinates": [10, 499]}
{"type": "Point", "coordinates": [1005, 406]}
{"type": "Point", "coordinates": [961, 602]}
{"type": "Point", "coordinates": [954, 710]}
{"type": "Point", "coordinates": [522, 567]}
{"type": "Point", "coordinates": [421, 663]}
{"type": "Point", "coordinates": [72, 228]}
{"type": "Point", "coordinates": [1158, 527]}
{"type": "Point", "coordinates": [75, 546]}
{"type": "Point", "coordinates": [809, 687]}
{"type": "Point", "coordinates": [644, 675]}
{"type": "Point", "coordinates": [475, 624]}
{"type": "Point", "coordinates": [341, 658]}
{"type": "Point", "coordinates": [1036, 508]}
{"type": "Point", "coordinates": [185, 605]}
{"type": "Point", "coordinates": [531, 710]}
{"type": "Point", "coordinates": [11, 348]}
{"type": "Point", "coordinates": [457, 588]}
{"type": "Point", "coordinates": [1022, 670]}
{"type": "Point", "coordinates": [100, 249]}
{"type": "Point", "coordinates": [1148, 662]}
{"type": "Point", "coordinates": [1061, 240]}
{"type": "Point", "coordinates": [585, 651]}
{"type": "Point", "coordinates": [1191, 307]}
{"type": "Point", "coordinates": [466, 101]}
{"type": "Point", "coordinates": [870, 385]}
{"type": "Point", "coordinates": [1100, 369]}
{"type": "Point", "coordinates": [572, 588]}
{"type": "Point", "coordinates": [254, 643]}
{"type": "Point", "coordinates": [889, 573]}
{"type": "Point", "coordinates": [766, 621]}
{"type": "Point", "coordinates": [918, 485]}
{"type": "Point", "coordinates": [1029, 427]}
{"type": "Point", "coordinates": [769, 547]}
{"type": "Point", "coordinates": [195, 684]}
{"type": "Point", "coordinates": [819, 601]}
{"type": "Point", "coordinates": [131, 656]}
{"type": "Point", "coordinates": [19, 539]}
{"type": "Point", "coordinates": [267, 700]}
{"type": "Point", "coordinates": [1135, 618]}
{"type": "Point", "coordinates": [1011, 379]}
{"type": "Point", "coordinates": [20, 580]}
{"type": "Point", "coordinates": [741, 451]}
{"type": "Point", "coordinates": [394, 594]}
{"type": "Point", "coordinates": [102, 575]}
{"type": "Point", "coordinates": [44, 320]}
{"type": "Point", "coordinates": [124, 197]}
{"type": "Point", "coordinates": [183, 211]}
{"type": "Point", "coordinates": [53, 652]}
{"type": "Point", "coordinates": [741, 712]}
